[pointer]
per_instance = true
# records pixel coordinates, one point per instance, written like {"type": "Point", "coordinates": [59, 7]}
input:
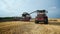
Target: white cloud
{"type": "Point", "coordinates": [54, 7]}
{"type": "Point", "coordinates": [10, 5]}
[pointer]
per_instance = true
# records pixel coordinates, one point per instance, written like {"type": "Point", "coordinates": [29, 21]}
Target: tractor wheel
{"type": "Point", "coordinates": [36, 21]}
{"type": "Point", "coordinates": [46, 21]}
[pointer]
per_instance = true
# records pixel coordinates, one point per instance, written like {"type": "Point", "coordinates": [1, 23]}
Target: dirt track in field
{"type": "Point", "coordinates": [19, 27]}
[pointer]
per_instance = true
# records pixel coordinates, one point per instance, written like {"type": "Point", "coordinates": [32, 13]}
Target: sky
{"type": "Point", "coordinates": [9, 8]}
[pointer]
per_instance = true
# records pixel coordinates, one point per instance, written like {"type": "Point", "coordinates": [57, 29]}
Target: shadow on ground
{"type": "Point", "coordinates": [54, 23]}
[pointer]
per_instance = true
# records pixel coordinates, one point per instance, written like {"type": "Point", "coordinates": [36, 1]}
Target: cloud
{"type": "Point", "coordinates": [54, 7]}
{"type": "Point", "coordinates": [10, 5]}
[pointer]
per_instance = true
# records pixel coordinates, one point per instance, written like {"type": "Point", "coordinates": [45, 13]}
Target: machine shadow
{"type": "Point", "coordinates": [54, 23]}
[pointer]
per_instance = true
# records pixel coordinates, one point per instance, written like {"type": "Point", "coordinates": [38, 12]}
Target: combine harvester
{"type": "Point", "coordinates": [41, 16]}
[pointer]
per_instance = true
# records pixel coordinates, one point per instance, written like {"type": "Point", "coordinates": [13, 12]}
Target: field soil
{"type": "Point", "coordinates": [24, 27]}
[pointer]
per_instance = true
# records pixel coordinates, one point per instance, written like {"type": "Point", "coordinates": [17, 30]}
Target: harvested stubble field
{"type": "Point", "coordinates": [20, 27]}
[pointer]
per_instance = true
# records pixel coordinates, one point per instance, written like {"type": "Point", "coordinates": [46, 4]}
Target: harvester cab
{"type": "Point", "coordinates": [41, 13]}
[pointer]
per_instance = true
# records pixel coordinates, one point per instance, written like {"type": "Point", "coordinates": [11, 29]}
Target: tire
{"type": "Point", "coordinates": [46, 21]}
{"type": "Point", "coordinates": [36, 22]}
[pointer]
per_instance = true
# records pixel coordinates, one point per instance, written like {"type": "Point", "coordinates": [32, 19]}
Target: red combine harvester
{"type": "Point", "coordinates": [41, 16]}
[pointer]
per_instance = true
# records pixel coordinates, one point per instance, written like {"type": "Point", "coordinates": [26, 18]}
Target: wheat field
{"type": "Point", "coordinates": [22, 27]}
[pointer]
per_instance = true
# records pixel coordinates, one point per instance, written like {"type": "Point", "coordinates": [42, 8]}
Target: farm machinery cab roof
{"type": "Point", "coordinates": [41, 11]}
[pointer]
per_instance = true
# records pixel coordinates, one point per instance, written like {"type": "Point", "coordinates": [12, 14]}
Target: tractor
{"type": "Point", "coordinates": [26, 16]}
